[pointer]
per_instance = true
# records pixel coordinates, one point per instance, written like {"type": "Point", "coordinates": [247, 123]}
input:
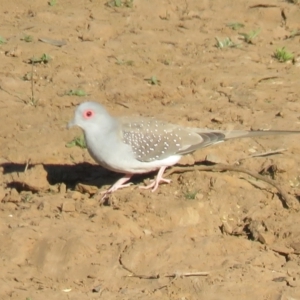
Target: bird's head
{"type": "Point", "coordinates": [90, 115]}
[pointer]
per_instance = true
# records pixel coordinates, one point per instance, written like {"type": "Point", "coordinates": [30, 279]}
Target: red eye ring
{"type": "Point", "coordinates": [88, 114]}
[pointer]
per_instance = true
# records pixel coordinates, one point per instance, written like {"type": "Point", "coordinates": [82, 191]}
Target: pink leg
{"type": "Point", "coordinates": [154, 185]}
{"type": "Point", "coordinates": [117, 185]}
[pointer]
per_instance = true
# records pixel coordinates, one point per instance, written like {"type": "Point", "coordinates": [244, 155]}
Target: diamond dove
{"type": "Point", "coordinates": [137, 145]}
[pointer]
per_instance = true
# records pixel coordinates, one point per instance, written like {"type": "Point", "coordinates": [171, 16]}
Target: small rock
{"type": "Point", "coordinates": [147, 232]}
{"type": "Point", "coordinates": [217, 120]}
{"type": "Point", "coordinates": [76, 195]}
{"type": "Point", "coordinates": [98, 31]}
{"type": "Point", "coordinates": [293, 282]}
{"type": "Point", "coordinates": [292, 267]}
{"type": "Point", "coordinates": [13, 196]}
{"type": "Point", "coordinates": [84, 188]}
{"type": "Point", "coordinates": [54, 188]}
{"type": "Point", "coordinates": [62, 188]}
{"type": "Point", "coordinates": [258, 231]}
{"type": "Point", "coordinates": [252, 150]}
{"type": "Point", "coordinates": [97, 289]}
{"type": "Point", "coordinates": [187, 160]}
{"type": "Point", "coordinates": [296, 247]}
{"type": "Point", "coordinates": [199, 196]}
{"type": "Point", "coordinates": [41, 206]}
{"type": "Point", "coordinates": [282, 249]}
{"type": "Point", "coordinates": [266, 238]}
{"type": "Point", "coordinates": [35, 179]}
{"type": "Point", "coordinates": [15, 52]}
{"type": "Point", "coordinates": [279, 114]}
{"type": "Point", "coordinates": [2, 193]}
{"type": "Point", "coordinates": [68, 206]}
{"type": "Point", "coordinates": [297, 61]}
{"type": "Point", "coordinates": [226, 228]}
{"type": "Point", "coordinates": [214, 159]}
{"type": "Point", "coordinates": [166, 101]}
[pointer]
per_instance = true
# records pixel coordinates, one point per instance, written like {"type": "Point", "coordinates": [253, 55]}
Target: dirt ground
{"type": "Point", "coordinates": [233, 234]}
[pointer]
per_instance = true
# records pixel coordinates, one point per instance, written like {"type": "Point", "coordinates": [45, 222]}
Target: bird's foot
{"type": "Point", "coordinates": [154, 184]}
{"type": "Point", "coordinates": [121, 183]}
{"type": "Point", "coordinates": [114, 188]}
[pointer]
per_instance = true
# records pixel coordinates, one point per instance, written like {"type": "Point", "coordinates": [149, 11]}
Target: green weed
{"type": "Point", "coordinates": [120, 3]}
{"type": "Point", "coordinates": [226, 43]}
{"type": "Point", "coordinates": [153, 80]}
{"type": "Point", "coordinates": [2, 40]}
{"type": "Point", "coordinates": [282, 55]}
{"type": "Point", "coordinates": [121, 62]}
{"type": "Point", "coordinates": [78, 141]}
{"type": "Point", "coordinates": [248, 37]}
{"type": "Point", "coordinates": [235, 26]}
{"type": "Point", "coordinates": [52, 2]}
{"type": "Point", "coordinates": [44, 59]}
{"type": "Point", "coordinates": [27, 38]}
{"type": "Point", "coordinates": [189, 195]}
{"type": "Point", "coordinates": [79, 93]}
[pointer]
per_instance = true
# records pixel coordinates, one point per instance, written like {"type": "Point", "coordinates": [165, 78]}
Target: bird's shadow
{"type": "Point", "coordinates": [84, 173]}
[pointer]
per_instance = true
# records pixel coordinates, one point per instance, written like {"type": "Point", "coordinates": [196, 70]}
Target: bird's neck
{"type": "Point", "coordinates": [99, 133]}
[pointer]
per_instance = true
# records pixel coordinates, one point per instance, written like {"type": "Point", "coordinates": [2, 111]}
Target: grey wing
{"type": "Point", "coordinates": [151, 139]}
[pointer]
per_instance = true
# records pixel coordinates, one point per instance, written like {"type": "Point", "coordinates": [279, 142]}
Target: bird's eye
{"type": "Point", "coordinates": [88, 114]}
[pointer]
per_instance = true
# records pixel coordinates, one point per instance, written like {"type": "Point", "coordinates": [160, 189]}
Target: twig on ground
{"type": "Point", "coordinates": [288, 201]}
{"type": "Point", "coordinates": [174, 276]}
{"type": "Point", "coordinates": [267, 153]}
{"type": "Point", "coordinates": [27, 165]}
{"type": "Point", "coordinates": [16, 96]}
{"type": "Point", "coordinates": [121, 262]}
{"type": "Point", "coordinates": [123, 104]}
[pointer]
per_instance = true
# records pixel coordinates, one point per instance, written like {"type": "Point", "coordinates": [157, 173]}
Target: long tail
{"type": "Point", "coordinates": [234, 134]}
{"type": "Point", "coordinates": [212, 137]}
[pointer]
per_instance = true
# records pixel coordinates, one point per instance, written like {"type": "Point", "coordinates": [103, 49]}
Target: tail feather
{"type": "Point", "coordinates": [245, 134]}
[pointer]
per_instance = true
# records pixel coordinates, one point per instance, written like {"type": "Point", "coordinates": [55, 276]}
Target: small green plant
{"type": "Point", "coordinates": [28, 76]}
{"type": "Point", "coordinates": [282, 55]}
{"type": "Point", "coordinates": [226, 43]}
{"type": "Point", "coordinates": [128, 3]}
{"type": "Point", "coordinates": [44, 59]}
{"type": "Point", "coordinates": [27, 198]}
{"type": "Point", "coordinates": [52, 2]}
{"type": "Point", "coordinates": [121, 62]}
{"type": "Point", "coordinates": [78, 141]}
{"type": "Point", "coordinates": [114, 3]}
{"type": "Point", "coordinates": [33, 101]}
{"type": "Point", "coordinates": [78, 92]}
{"type": "Point", "coordinates": [166, 62]}
{"type": "Point", "coordinates": [235, 26]}
{"type": "Point", "coordinates": [189, 195]}
{"type": "Point", "coordinates": [153, 80]}
{"type": "Point", "coordinates": [248, 37]}
{"type": "Point", "coordinates": [120, 3]}
{"type": "Point", "coordinates": [27, 38]}
{"type": "Point", "coordinates": [2, 40]}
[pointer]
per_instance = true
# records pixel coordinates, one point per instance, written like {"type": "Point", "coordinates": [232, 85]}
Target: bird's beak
{"type": "Point", "coordinates": [71, 124]}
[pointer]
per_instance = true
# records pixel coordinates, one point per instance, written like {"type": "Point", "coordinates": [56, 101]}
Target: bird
{"type": "Point", "coordinates": [139, 145]}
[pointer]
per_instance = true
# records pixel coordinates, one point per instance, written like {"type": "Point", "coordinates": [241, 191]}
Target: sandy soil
{"type": "Point", "coordinates": [56, 242]}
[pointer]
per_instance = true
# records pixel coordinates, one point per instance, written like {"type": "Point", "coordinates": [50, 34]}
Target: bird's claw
{"type": "Point", "coordinates": [154, 184]}
{"type": "Point", "coordinates": [113, 188]}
